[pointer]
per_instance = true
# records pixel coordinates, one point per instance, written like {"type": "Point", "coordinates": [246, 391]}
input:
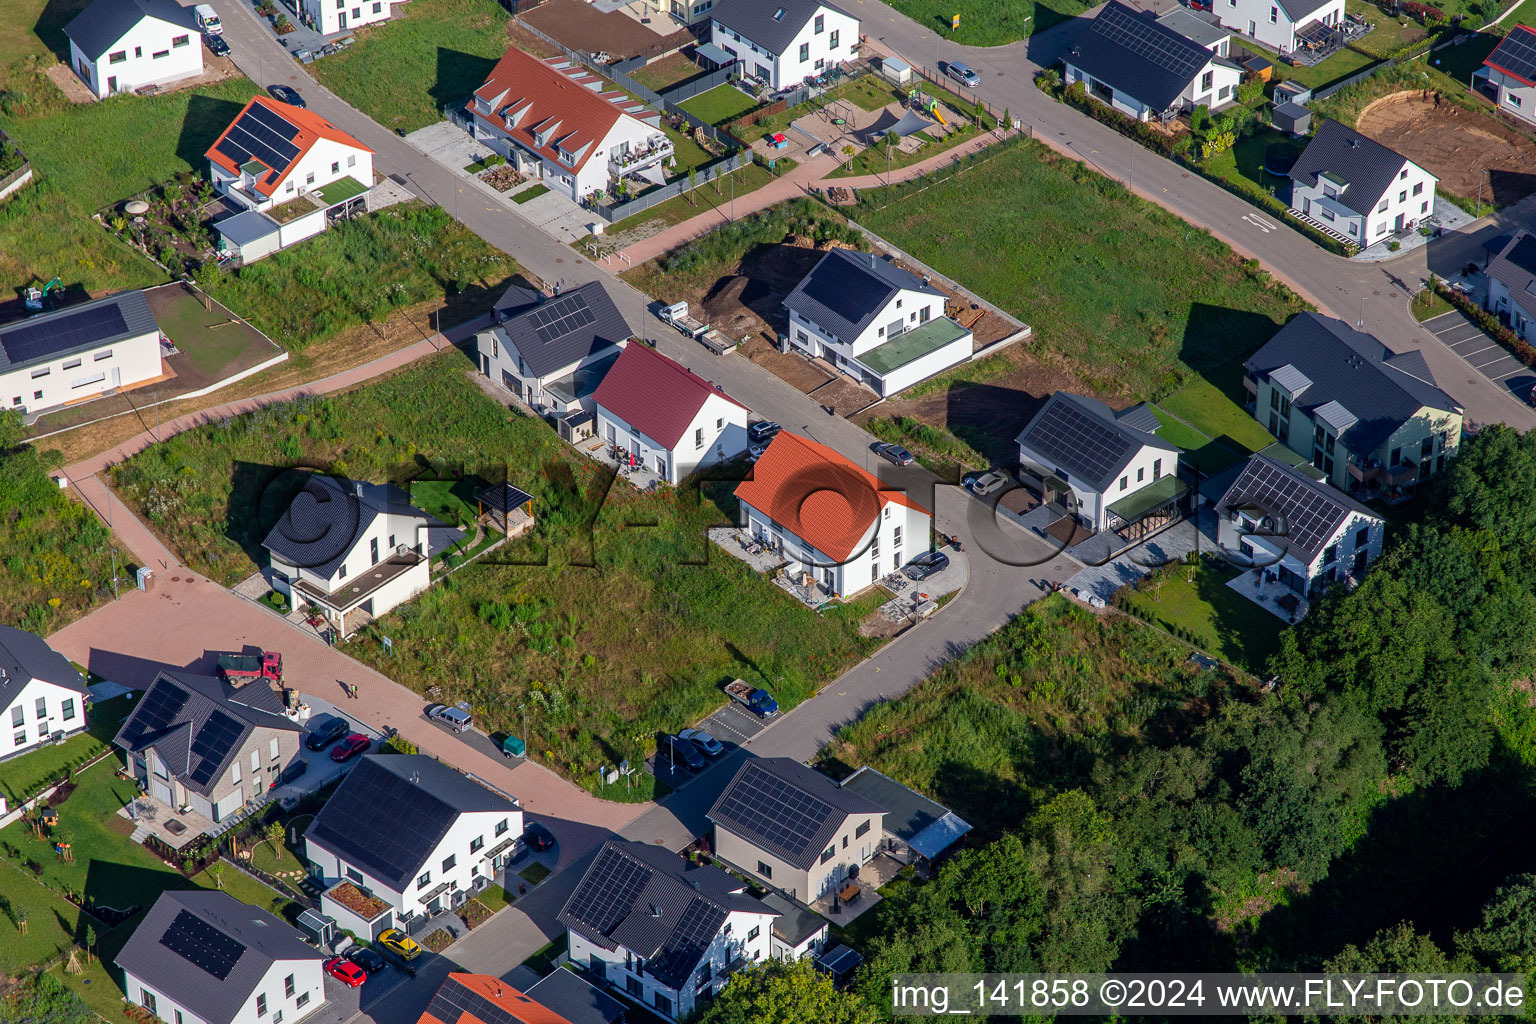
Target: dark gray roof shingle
{"type": "Point", "coordinates": [1514, 266]}
{"type": "Point", "coordinates": [78, 328]}
{"type": "Point", "coordinates": [26, 656]}
{"type": "Point", "coordinates": [926, 826]}
{"type": "Point", "coordinates": [1087, 439]}
{"type": "Point", "coordinates": [327, 519]}
{"type": "Point", "coordinates": [102, 24]}
{"type": "Point", "coordinates": [1382, 390]}
{"type": "Point", "coordinates": [762, 22]}
{"type": "Point", "coordinates": [1134, 54]}
{"type": "Point", "coordinates": [565, 330]}
{"type": "Point", "coordinates": [262, 940]}
{"type": "Point", "coordinates": [1367, 165]}
{"type": "Point", "coordinates": [846, 290]}
{"type": "Point", "coordinates": [786, 808]}
{"type": "Point", "coordinates": [1311, 510]}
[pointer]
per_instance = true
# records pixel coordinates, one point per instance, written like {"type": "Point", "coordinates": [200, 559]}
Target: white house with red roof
{"type": "Point", "coordinates": [670, 419]}
{"type": "Point", "coordinates": [830, 518]}
{"type": "Point", "coordinates": [553, 120]}
{"type": "Point", "coordinates": [273, 153]}
{"type": "Point", "coordinates": [1508, 75]}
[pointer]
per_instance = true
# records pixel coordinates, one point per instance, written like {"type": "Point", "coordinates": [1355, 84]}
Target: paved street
{"type": "Point", "coordinates": [1458, 333]}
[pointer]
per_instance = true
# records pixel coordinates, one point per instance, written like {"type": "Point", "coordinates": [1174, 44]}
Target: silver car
{"type": "Point", "coordinates": [455, 716]}
{"type": "Point", "coordinates": [962, 74]}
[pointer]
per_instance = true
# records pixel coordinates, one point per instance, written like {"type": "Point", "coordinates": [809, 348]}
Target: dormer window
{"type": "Point", "coordinates": [778, 15]}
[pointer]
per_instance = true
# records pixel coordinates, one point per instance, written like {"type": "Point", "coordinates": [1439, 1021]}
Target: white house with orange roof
{"type": "Point", "coordinates": [669, 418]}
{"type": "Point", "coordinates": [830, 518]}
{"type": "Point", "coordinates": [555, 122]}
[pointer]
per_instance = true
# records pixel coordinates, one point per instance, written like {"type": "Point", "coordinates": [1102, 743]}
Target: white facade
{"type": "Point", "coordinates": [898, 536]}
{"type": "Point", "coordinates": [826, 39]}
{"type": "Point", "coordinates": [40, 711]}
{"type": "Point", "coordinates": [1408, 200]}
{"type": "Point", "coordinates": [381, 539]}
{"type": "Point", "coordinates": [325, 161]}
{"type": "Point", "coordinates": [1512, 95]}
{"type": "Point", "coordinates": [331, 16]}
{"type": "Point", "coordinates": [744, 937]}
{"type": "Point", "coordinates": [153, 52]}
{"type": "Point", "coordinates": [308, 984]}
{"type": "Point", "coordinates": [629, 135]}
{"type": "Point", "coordinates": [1092, 505]}
{"type": "Point", "coordinates": [1267, 21]}
{"type": "Point", "coordinates": [461, 858]}
{"type": "Point", "coordinates": [717, 432]}
{"type": "Point", "coordinates": [83, 375]}
{"type": "Point", "coordinates": [1354, 545]}
{"type": "Point", "coordinates": [1501, 301]}
{"type": "Point", "coordinates": [502, 364]}
{"type": "Point", "coordinates": [1214, 86]}
{"type": "Point", "coordinates": [906, 311]}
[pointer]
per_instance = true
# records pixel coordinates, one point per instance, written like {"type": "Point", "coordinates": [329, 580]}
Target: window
{"type": "Point", "coordinates": [42, 707]}
{"type": "Point", "coordinates": [180, 41]}
{"type": "Point", "coordinates": [1514, 100]}
{"type": "Point", "coordinates": [1157, 468]}
{"type": "Point", "coordinates": [1383, 207]}
{"type": "Point", "coordinates": [1327, 214]}
{"type": "Point", "coordinates": [99, 356]}
{"type": "Point", "coordinates": [147, 1000]}
{"type": "Point", "coordinates": [18, 715]}
{"type": "Point", "coordinates": [1424, 206]}
{"type": "Point", "coordinates": [352, 159]}
{"type": "Point", "coordinates": [161, 53]}
{"type": "Point", "coordinates": [1141, 473]}
{"type": "Point", "coordinates": [37, 395]}
{"type": "Point", "coordinates": [45, 371]}
{"type": "Point", "coordinates": [234, 773]}
{"type": "Point", "coordinates": [85, 382]}
{"type": "Point", "coordinates": [1124, 482]}
{"type": "Point", "coordinates": [1207, 80]}
{"type": "Point", "coordinates": [1274, 15]}
{"type": "Point", "coordinates": [862, 830]}
{"type": "Point", "coordinates": [1363, 537]}
{"type": "Point", "coordinates": [73, 364]}
{"type": "Point", "coordinates": [19, 738]}
{"type": "Point", "coordinates": [255, 761]}
{"type": "Point", "coordinates": [342, 572]}
{"type": "Point", "coordinates": [277, 1018]}
{"type": "Point", "coordinates": [261, 1004]}
{"type": "Point", "coordinates": [756, 930]}
{"type": "Point", "coordinates": [272, 749]}
{"type": "Point", "coordinates": [832, 41]}
{"type": "Point", "coordinates": [1396, 457]}
{"type": "Point", "coordinates": [1330, 192]}
{"type": "Point", "coordinates": [354, 874]}
{"type": "Point", "coordinates": [896, 537]}
{"type": "Point", "coordinates": [698, 437]}
{"type": "Point", "coordinates": [805, 52]}
{"type": "Point", "coordinates": [425, 880]}
{"type": "Point", "coordinates": [67, 710]}
{"type": "Point", "coordinates": [118, 57]}
{"type": "Point", "coordinates": [1330, 554]}
{"type": "Point", "coordinates": [288, 986]}
{"type": "Point", "coordinates": [309, 179]}
{"type": "Point", "coordinates": [501, 827]}
{"type": "Point", "coordinates": [449, 861]}
{"type": "Point", "coordinates": [1402, 175]}
{"type": "Point", "coordinates": [828, 853]}
{"type": "Point", "coordinates": [179, 1019]}
{"type": "Point", "coordinates": [302, 1000]}
{"type": "Point", "coordinates": [138, 51]}
{"type": "Point", "coordinates": [820, 23]}
{"type": "Point", "coordinates": [476, 844]}
{"type": "Point", "coordinates": [335, 166]}
{"type": "Point", "coordinates": [373, 549]}
{"type": "Point", "coordinates": [1418, 189]}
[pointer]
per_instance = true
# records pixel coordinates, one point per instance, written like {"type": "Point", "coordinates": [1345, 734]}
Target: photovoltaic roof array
{"type": "Point", "coordinates": [28, 341]}
{"type": "Point", "coordinates": [774, 810]}
{"type": "Point", "coordinates": [383, 823]}
{"type": "Point", "coordinates": [200, 943]}
{"type": "Point", "coordinates": [455, 999]}
{"type": "Point", "coordinates": [604, 906]}
{"type": "Point", "coordinates": [1166, 48]}
{"type": "Point", "coordinates": [562, 316]}
{"type": "Point", "coordinates": [1311, 512]}
{"type": "Point", "coordinates": [1088, 445]}
{"type": "Point", "coordinates": [261, 133]}
{"type": "Point", "coordinates": [212, 745]}
{"type": "Point", "coordinates": [155, 712]}
{"type": "Point", "coordinates": [1516, 54]}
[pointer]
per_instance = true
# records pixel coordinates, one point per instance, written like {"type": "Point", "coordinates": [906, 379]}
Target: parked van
{"type": "Point", "coordinates": [208, 19]}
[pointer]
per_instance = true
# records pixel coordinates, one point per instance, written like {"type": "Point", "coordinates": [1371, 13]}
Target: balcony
{"type": "Point", "coordinates": [1369, 472]}
{"type": "Point", "coordinates": [654, 150]}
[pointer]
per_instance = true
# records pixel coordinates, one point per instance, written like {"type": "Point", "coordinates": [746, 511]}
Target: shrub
{"type": "Point", "coordinates": [1490, 323]}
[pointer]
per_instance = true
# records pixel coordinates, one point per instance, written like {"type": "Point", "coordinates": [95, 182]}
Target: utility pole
{"type": "Point", "coordinates": [524, 709]}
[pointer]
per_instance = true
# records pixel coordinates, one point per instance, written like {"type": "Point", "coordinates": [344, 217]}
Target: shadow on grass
{"type": "Point", "coordinates": [258, 497]}
{"type": "Point", "coordinates": [206, 119]}
{"type": "Point", "coordinates": [459, 74]}
{"type": "Point", "coordinates": [50, 25]}
{"type": "Point", "coordinates": [1217, 340]}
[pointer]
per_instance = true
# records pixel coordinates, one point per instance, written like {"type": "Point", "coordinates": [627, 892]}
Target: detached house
{"type": "Point", "coordinates": [1372, 420]}
{"type": "Point", "coordinates": [555, 122]}
{"type": "Point", "coordinates": [1278, 517]}
{"type": "Point", "coordinates": [43, 696]}
{"type": "Point", "coordinates": [668, 418]}
{"type": "Point", "coordinates": [196, 742]}
{"type": "Point", "coordinates": [1508, 75]}
{"type": "Point", "coordinates": [79, 352]}
{"type": "Point", "coordinates": [332, 16]}
{"type": "Point", "coordinates": [1512, 282]}
{"type": "Point", "coordinates": [414, 834]}
{"type": "Point", "coordinates": [879, 324]}
{"type": "Point", "coordinates": [782, 42]}
{"type": "Point", "coordinates": [1145, 68]}
{"type": "Point", "coordinates": [1358, 188]}
{"type": "Point", "coordinates": [354, 551]}
{"type": "Point", "coordinates": [667, 932]}
{"type": "Point", "coordinates": [1107, 470]}
{"type": "Point", "coordinates": [203, 957]}
{"type": "Point", "coordinates": [829, 518]}
{"type": "Point", "coordinates": [553, 355]}
{"type": "Point", "coordinates": [1282, 25]}
{"type": "Point", "coordinates": [122, 45]}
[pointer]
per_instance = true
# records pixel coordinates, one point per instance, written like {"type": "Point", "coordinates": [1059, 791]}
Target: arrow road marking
{"type": "Point", "coordinates": [1259, 222]}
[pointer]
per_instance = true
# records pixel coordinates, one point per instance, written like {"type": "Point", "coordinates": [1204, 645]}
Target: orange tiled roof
{"type": "Point", "coordinates": [496, 991]}
{"type": "Point", "coordinates": [309, 129]}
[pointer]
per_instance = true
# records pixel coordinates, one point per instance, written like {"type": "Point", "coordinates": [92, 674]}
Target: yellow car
{"type": "Point", "coordinates": [399, 943]}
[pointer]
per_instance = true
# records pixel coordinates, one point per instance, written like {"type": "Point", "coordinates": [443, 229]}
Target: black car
{"type": "Point", "coordinates": [327, 733]}
{"type": "Point", "coordinates": [762, 431]}
{"type": "Point", "coordinates": [538, 837]}
{"type": "Point", "coordinates": [368, 959]}
{"type": "Point", "coordinates": [292, 772]}
{"type": "Point", "coordinates": [925, 565]}
{"type": "Point", "coordinates": [681, 754]}
{"type": "Point", "coordinates": [894, 452]}
{"type": "Point", "coordinates": [217, 46]}
{"type": "Point", "coordinates": [288, 94]}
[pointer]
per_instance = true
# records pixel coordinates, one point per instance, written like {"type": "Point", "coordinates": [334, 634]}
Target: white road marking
{"type": "Point", "coordinates": [1258, 222]}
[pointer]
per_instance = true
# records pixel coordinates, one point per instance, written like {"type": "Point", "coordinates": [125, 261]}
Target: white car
{"type": "Point", "coordinates": [989, 483]}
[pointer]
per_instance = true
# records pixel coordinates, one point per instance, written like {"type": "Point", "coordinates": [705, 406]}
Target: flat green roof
{"type": "Point", "coordinates": [1280, 453]}
{"type": "Point", "coordinates": [340, 191]}
{"type": "Point", "coordinates": [914, 344]}
{"type": "Point", "coordinates": [1159, 492]}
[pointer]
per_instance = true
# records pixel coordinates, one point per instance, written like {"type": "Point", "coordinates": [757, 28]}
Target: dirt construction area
{"type": "Point", "coordinates": [1454, 144]}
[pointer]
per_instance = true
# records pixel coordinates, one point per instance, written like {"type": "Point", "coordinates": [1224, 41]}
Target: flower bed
{"type": "Point", "coordinates": [502, 178]}
{"type": "Point", "coordinates": [438, 941]}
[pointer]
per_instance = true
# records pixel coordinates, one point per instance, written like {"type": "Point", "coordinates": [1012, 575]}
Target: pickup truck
{"type": "Point", "coordinates": [677, 315]}
{"type": "Point", "coordinates": [759, 702]}
{"type": "Point", "coordinates": [236, 669]}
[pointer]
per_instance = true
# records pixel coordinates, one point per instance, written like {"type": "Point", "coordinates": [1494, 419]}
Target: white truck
{"type": "Point", "coordinates": [208, 19]}
{"type": "Point", "coordinates": [677, 315]}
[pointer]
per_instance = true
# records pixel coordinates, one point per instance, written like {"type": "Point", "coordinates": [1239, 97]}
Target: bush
{"type": "Point", "coordinates": [1424, 14]}
{"type": "Point", "coordinates": [1489, 322]}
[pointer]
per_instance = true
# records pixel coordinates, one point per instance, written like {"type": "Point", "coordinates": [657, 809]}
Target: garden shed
{"type": "Point", "coordinates": [895, 70]}
{"type": "Point", "coordinates": [1292, 118]}
{"type": "Point", "coordinates": [250, 235]}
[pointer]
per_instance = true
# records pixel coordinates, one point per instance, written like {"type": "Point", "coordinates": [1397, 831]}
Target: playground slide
{"type": "Point", "coordinates": [936, 112]}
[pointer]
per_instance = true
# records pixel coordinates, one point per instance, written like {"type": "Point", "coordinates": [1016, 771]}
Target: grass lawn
{"type": "Point", "coordinates": [602, 619]}
{"type": "Point", "coordinates": [53, 923]}
{"type": "Point", "coordinates": [531, 193]}
{"type": "Point", "coordinates": [31, 38]}
{"type": "Point", "coordinates": [1246, 159]}
{"type": "Point", "coordinates": [1341, 65]}
{"type": "Point", "coordinates": [1525, 14]}
{"type": "Point", "coordinates": [1205, 453]}
{"type": "Point", "coordinates": [534, 873]}
{"type": "Point", "coordinates": [1204, 406]}
{"type": "Point", "coordinates": [1039, 235]}
{"type": "Point", "coordinates": [1197, 599]}
{"type": "Point", "coordinates": [247, 890]}
{"type": "Point", "coordinates": [1459, 61]}
{"type": "Point", "coordinates": [688, 153]}
{"type": "Point", "coordinates": [990, 22]}
{"type": "Point", "coordinates": [437, 52]}
{"type": "Point", "coordinates": [21, 774]}
{"type": "Point", "coordinates": [721, 104]}
{"type": "Point", "coordinates": [99, 987]}
{"type": "Point", "coordinates": [452, 501]}
{"type": "Point", "coordinates": [544, 958]}
{"type": "Point", "coordinates": [668, 71]}
{"type": "Point", "coordinates": [485, 163]}
{"type": "Point", "coordinates": [1389, 33]}
{"type": "Point", "coordinates": [873, 160]}
{"type": "Point", "coordinates": [493, 897]}
{"type": "Point", "coordinates": [1427, 305]}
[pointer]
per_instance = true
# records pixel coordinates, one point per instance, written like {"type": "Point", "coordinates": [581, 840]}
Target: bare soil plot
{"type": "Point", "coordinates": [581, 26]}
{"type": "Point", "coordinates": [1454, 144]}
{"type": "Point", "coordinates": [843, 396]}
{"type": "Point", "coordinates": [795, 370]}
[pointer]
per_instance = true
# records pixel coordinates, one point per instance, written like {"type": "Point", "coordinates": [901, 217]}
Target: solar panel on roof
{"type": "Point", "coordinates": [1516, 54]}
{"type": "Point", "coordinates": [380, 820]}
{"type": "Point", "coordinates": [262, 134]}
{"type": "Point", "coordinates": [774, 810]}
{"type": "Point", "coordinates": [1087, 444]}
{"type": "Point", "coordinates": [157, 710]}
{"type": "Point", "coordinates": [608, 891]}
{"type": "Point", "coordinates": [563, 316]}
{"type": "Point", "coordinates": [1311, 515]}
{"type": "Point", "coordinates": [269, 118]}
{"type": "Point", "coordinates": [27, 340]}
{"type": "Point", "coordinates": [213, 744]}
{"type": "Point", "coordinates": [202, 944]}
{"type": "Point", "coordinates": [693, 933]}
{"type": "Point", "coordinates": [1140, 37]}
{"type": "Point", "coordinates": [455, 999]}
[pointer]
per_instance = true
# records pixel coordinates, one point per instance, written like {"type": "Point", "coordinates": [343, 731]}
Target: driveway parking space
{"type": "Point", "coordinates": [732, 724]}
{"type": "Point", "coordinates": [1482, 353]}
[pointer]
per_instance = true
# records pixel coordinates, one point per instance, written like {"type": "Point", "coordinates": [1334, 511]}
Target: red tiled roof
{"type": "Point", "coordinates": [311, 128]}
{"type": "Point", "coordinates": [497, 992]}
{"type": "Point", "coordinates": [654, 394]}
{"type": "Point", "coordinates": [817, 495]}
{"type": "Point", "coordinates": [549, 97]}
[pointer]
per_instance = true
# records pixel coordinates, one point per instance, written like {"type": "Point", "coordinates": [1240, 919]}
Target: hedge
{"type": "Point", "coordinates": [1489, 322]}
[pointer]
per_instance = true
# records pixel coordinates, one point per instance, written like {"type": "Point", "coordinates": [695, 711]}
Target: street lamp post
{"type": "Point", "coordinates": [524, 709]}
{"type": "Point", "coordinates": [1360, 323]}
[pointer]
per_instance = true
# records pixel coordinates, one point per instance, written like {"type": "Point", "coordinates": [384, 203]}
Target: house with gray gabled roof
{"type": "Point", "coordinates": [667, 932]}
{"type": "Point", "coordinates": [1352, 186]}
{"type": "Point", "coordinates": [354, 551]}
{"type": "Point", "coordinates": [195, 742]}
{"type": "Point", "coordinates": [1512, 282]}
{"type": "Point", "coordinates": [915, 826]}
{"type": "Point", "coordinates": [42, 695]}
{"type": "Point", "coordinates": [1281, 519]}
{"type": "Point", "coordinates": [78, 352]}
{"type": "Point", "coordinates": [1106, 470]}
{"type": "Point", "coordinates": [781, 42]}
{"type": "Point", "coordinates": [1282, 25]}
{"type": "Point", "coordinates": [553, 354]}
{"type": "Point", "coordinates": [122, 45]}
{"type": "Point", "coordinates": [1373, 420]}
{"type": "Point", "coordinates": [203, 957]}
{"type": "Point", "coordinates": [879, 324]}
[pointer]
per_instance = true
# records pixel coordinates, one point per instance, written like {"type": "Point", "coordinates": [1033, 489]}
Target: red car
{"type": "Point", "coordinates": [350, 747]}
{"type": "Point", "coordinates": [345, 971]}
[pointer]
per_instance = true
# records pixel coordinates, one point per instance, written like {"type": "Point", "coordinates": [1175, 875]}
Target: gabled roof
{"type": "Point", "coordinates": [198, 724]}
{"type": "Point", "coordinates": [26, 656]}
{"type": "Point", "coordinates": [276, 136]}
{"type": "Point", "coordinates": [655, 395]}
{"type": "Point", "coordinates": [771, 24]}
{"type": "Point", "coordinates": [1087, 439]}
{"type": "Point", "coordinates": [1516, 54]}
{"type": "Point", "coordinates": [1131, 52]}
{"type": "Point", "coordinates": [97, 28]}
{"type": "Point", "coordinates": [75, 329]}
{"type": "Point", "coordinates": [847, 290]}
{"type": "Point", "coordinates": [327, 520]}
{"type": "Point", "coordinates": [655, 904]}
{"type": "Point", "coordinates": [208, 952]}
{"type": "Point", "coordinates": [1381, 389]}
{"type": "Point", "coordinates": [1312, 511]}
{"type": "Point", "coordinates": [565, 330]}
{"type": "Point", "coordinates": [816, 494]}
{"type": "Point", "coordinates": [1366, 165]}
{"type": "Point", "coordinates": [1514, 266]}
{"type": "Point", "coordinates": [787, 809]}
{"type": "Point", "coordinates": [563, 104]}
{"type": "Point", "coordinates": [389, 814]}
{"type": "Point", "coordinates": [928, 827]}
{"type": "Point", "coordinates": [1299, 10]}
{"type": "Point", "coordinates": [485, 999]}
{"type": "Point", "coordinates": [1197, 26]}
